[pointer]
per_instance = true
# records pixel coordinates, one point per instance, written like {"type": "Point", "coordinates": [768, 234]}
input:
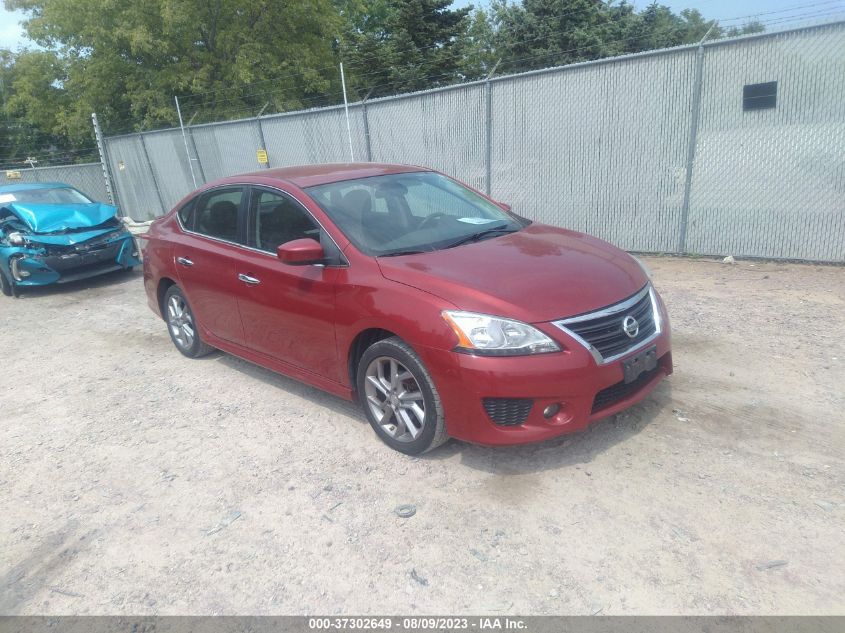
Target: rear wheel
{"type": "Point", "coordinates": [182, 326]}
{"type": "Point", "coordinates": [399, 398]}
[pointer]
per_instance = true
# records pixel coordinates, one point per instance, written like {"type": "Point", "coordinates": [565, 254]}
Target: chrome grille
{"type": "Point", "coordinates": [603, 332]}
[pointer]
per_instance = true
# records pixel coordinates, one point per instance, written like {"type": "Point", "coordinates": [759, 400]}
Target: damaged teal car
{"type": "Point", "coordinates": [52, 233]}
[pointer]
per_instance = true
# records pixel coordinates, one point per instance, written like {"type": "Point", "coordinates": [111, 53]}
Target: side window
{"type": "Point", "coordinates": [186, 215]}
{"type": "Point", "coordinates": [217, 214]}
{"type": "Point", "coordinates": [277, 219]}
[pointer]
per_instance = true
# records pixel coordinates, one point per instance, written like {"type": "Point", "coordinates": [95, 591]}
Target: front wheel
{"type": "Point", "coordinates": [399, 398]}
{"type": "Point", "coordinates": [6, 285]}
{"type": "Point", "coordinates": [182, 326]}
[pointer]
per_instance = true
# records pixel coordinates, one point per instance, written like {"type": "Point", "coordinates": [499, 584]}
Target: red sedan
{"type": "Point", "coordinates": [442, 312]}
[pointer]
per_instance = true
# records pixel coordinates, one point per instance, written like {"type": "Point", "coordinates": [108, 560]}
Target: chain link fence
{"type": "Point", "coordinates": [654, 152]}
{"type": "Point", "coordinates": [87, 177]}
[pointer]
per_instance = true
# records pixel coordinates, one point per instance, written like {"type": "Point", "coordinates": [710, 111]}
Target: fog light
{"type": "Point", "coordinates": [18, 273]}
{"type": "Point", "coordinates": [551, 410]}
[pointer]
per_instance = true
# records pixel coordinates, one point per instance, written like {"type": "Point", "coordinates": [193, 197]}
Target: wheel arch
{"type": "Point", "coordinates": [164, 284]}
{"type": "Point", "coordinates": [358, 346]}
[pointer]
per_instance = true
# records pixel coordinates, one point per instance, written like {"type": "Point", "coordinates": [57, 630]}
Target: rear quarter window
{"type": "Point", "coordinates": [186, 214]}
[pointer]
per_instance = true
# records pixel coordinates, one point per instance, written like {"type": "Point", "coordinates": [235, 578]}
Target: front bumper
{"type": "Point", "coordinates": [37, 266]}
{"type": "Point", "coordinates": [572, 379]}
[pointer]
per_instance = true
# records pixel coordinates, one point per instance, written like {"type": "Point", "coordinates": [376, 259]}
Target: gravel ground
{"type": "Point", "coordinates": [136, 481]}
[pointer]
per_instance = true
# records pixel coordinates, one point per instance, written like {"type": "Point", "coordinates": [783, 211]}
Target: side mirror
{"type": "Point", "coordinates": [301, 252]}
{"type": "Point", "coordinates": [505, 206]}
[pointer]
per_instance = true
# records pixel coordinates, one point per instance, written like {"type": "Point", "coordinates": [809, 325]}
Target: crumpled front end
{"type": "Point", "coordinates": [61, 258]}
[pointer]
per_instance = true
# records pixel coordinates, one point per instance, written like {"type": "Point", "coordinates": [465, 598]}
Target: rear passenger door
{"type": "Point", "coordinates": [288, 311]}
{"type": "Point", "coordinates": [207, 257]}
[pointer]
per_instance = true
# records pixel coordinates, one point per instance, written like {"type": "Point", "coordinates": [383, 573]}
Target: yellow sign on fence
{"type": "Point", "coordinates": [261, 155]}
{"type": "Point", "coordinates": [13, 175]}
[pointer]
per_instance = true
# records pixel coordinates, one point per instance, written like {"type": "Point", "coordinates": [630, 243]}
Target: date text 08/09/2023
{"type": "Point", "coordinates": [417, 623]}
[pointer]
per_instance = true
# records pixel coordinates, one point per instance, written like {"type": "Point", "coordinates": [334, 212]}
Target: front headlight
{"type": "Point", "coordinates": [487, 335]}
{"type": "Point", "coordinates": [16, 239]}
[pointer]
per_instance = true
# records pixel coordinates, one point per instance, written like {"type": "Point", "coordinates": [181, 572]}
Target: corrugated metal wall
{"type": "Point", "coordinates": [600, 147]}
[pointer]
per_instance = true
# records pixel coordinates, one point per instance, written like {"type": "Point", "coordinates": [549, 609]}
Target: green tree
{"type": "Point", "coordinates": [755, 26]}
{"type": "Point", "coordinates": [542, 33]}
{"type": "Point", "coordinates": [126, 60]}
{"type": "Point", "coordinates": [31, 98]}
{"type": "Point", "coordinates": [477, 47]}
{"type": "Point", "coordinates": [404, 45]}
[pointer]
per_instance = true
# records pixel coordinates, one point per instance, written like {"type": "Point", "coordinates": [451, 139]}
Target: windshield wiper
{"type": "Point", "coordinates": [478, 235]}
{"type": "Point", "coordinates": [397, 253]}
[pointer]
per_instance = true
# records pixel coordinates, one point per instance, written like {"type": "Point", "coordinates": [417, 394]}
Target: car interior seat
{"type": "Point", "coordinates": [284, 223]}
{"type": "Point", "coordinates": [221, 220]}
{"type": "Point", "coordinates": [355, 205]}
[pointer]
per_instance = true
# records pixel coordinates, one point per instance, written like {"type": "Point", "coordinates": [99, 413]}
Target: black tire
{"type": "Point", "coordinates": [6, 285]}
{"type": "Point", "coordinates": [191, 346]}
{"type": "Point", "coordinates": [433, 428]}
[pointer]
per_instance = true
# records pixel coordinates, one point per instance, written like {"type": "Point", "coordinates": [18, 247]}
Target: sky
{"type": "Point", "coordinates": [11, 34]}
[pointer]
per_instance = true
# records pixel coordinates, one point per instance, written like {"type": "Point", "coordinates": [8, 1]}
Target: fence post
{"type": "Point", "coordinates": [488, 131]}
{"type": "Point", "coordinates": [196, 153]}
{"type": "Point", "coordinates": [693, 134]}
{"type": "Point", "coordinates": [261, 138]}
{"type": "Point", "coordinates": [366, 122]}
{"type": "Point", "coordinates": [185, 141]}
{"type": "Point", "coordinates": [101, 148]}
{"type": "Point", "coordinates": [152, 173]}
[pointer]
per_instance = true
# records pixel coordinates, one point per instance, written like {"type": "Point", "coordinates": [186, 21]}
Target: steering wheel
{"type": "Point", "coordinates": [431, 218]}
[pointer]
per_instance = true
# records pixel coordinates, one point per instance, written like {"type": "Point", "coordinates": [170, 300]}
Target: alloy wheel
{"type": "Point", "coordinates": [395, 399]}
{"type": "Point", "coordinates": [180, 321]}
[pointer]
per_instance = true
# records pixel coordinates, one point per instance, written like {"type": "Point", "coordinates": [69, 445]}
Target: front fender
{"type": "Point", "coordinates": [410, 313]}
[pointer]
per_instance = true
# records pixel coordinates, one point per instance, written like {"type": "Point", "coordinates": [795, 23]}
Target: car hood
{"type": "Point", "coordinates": [53, 218]}
{"type": "Point", "coordinates": [541, 273]}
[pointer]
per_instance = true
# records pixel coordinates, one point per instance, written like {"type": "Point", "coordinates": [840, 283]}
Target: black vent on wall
{"type": "Point", "coordinates": [760, 96]}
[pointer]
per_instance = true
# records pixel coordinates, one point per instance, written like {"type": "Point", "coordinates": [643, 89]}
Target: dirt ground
{"type": "Point", "coordinates": [136, 481]}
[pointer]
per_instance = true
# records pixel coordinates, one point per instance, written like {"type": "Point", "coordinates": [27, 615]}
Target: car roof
{"type": "Point", "coordinates": [29, 186]}
{"type": "Point", "coordinates": [312, 175]}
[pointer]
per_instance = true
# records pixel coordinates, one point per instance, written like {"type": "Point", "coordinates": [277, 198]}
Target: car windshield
{"type": "Point", "coordinates": [411, 212]}
{"type": "Point", "coordinates": [53, 195]}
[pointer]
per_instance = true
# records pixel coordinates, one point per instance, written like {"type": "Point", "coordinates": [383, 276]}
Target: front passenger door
{"type": "Point", "coordinates": [287, 311]}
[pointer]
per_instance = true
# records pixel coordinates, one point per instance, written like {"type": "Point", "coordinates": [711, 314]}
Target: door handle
{"type": "Point", "coordinates": [184, 261]}
{"type": "Point", "coordinates": [252, 281]}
